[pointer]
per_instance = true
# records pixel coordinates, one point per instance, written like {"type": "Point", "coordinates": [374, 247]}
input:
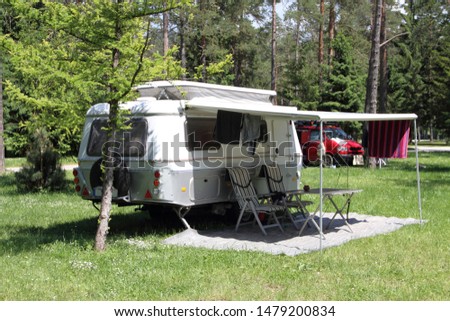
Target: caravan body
{"type": "Point", "coordinates": [181, 137]}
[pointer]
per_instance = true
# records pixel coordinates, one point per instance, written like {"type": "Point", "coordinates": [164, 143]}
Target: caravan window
{"type": "Point", "coordinates": [200, 133]}
{"type": "Point", "coordinates": [129, 142]}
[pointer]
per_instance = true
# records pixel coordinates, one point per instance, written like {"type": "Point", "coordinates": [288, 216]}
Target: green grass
{"type": "Point", "coordinates": [433, 143]}
{"type": "Point", "coordinates": [46, 249]}
{"type": "Point", "coordinates": [19, 161]}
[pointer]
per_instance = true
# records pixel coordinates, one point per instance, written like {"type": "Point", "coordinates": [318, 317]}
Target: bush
{"type": "Point", "coordinates": [43, 169]}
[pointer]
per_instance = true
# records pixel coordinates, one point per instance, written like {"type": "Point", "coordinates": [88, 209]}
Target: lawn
{"type": "Point", "coordinates": [20, 161]}
{"type": "Point", "coordinates": [46, 249]}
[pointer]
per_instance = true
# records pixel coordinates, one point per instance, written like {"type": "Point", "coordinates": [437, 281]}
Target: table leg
{"type": "Point", "coordinates": [310, 217]}
{"type": "Point", "coordinates": [339, 211]}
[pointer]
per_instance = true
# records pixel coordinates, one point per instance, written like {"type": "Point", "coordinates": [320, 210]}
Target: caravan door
{"type": "Point", "coordinates": [287, 152]}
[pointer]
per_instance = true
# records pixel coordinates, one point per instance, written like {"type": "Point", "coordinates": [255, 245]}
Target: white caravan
{"type": "Point", "coordinates": [181, 138]}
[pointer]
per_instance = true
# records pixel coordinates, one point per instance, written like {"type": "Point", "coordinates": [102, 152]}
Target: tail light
{"type": "Point", "coordinates": [156, 182]}
{"type": "Point", "coordinates": [157, 175]}
{"type": "Point", "coordinates": [84, 191]}
{"type": "Point", "coordinates": [76, 180]}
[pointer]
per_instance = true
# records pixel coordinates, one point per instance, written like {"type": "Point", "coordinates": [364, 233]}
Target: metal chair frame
{"type": "Point", "coordinates": [250, 202]}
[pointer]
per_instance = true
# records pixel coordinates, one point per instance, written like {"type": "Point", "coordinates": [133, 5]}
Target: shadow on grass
{"type": "Point", "coordinates": [428, 183]}
{"type": "Point", "coordinates": [423, 167]}
{"type": "Point", "coordinates": [9, 187]}
{"type": "Point", "coordinates": [435, 175]}
{"type": "Point", "coordinates": [82, 232]}
{"type": "Point", "coordinates": [7, 180]}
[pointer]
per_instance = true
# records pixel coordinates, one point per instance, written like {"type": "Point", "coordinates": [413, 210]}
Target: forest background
{"type": "Point", "coordinates": [314, 53]}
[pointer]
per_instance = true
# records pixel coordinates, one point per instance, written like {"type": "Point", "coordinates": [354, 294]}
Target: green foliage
{"type": "Point", "coordinates": [218, 73]}
{"type": "Point", "coordinates": [220, 27]}
{"type": "Point", "coordinates": [43, 169]}
{"type": "Point", "coordinates": [344, 88]}
{"type": "Point", "coordinates": [60, 57]}
{"type": "Point", "coordinates": [298, 70]}
{"type": "Point", "coordinates": [420, 66]}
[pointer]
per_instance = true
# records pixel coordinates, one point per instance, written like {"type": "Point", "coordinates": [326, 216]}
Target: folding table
{"type": "Point", "coordinates": [329, 193]}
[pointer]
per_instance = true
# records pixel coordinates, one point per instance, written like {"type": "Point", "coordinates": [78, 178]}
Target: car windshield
{"type": "Point", "coordinates": [329, 133]}
{"type": "Point", "coordinates": [339, 133]}
{"type": "Point", "coordinates": [315, 135]}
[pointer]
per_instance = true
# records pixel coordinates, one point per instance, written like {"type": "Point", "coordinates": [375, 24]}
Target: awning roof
{"type": "Point", "coordinates": [336, 116]}
{"type": "Point", "coordinates": [212, 105]}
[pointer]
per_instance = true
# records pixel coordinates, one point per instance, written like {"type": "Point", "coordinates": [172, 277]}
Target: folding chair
{"type": "Point", "coordinates": [250, 203]}
{"type": "Point", "coordinates": [289, 199]}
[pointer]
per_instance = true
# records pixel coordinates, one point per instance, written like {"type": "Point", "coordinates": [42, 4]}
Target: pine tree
{"type": "Point", "coordinates": [373, 74]}
{"type": "Point", "coordinates": [419, 70]}
{"type": "Point", "coordinates": [344, 88]}
{"type": "Point", "coordinates": [43, 169]}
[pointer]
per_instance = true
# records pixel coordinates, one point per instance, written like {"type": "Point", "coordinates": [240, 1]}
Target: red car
{"type": "Point", "coordinates": [340, 149]}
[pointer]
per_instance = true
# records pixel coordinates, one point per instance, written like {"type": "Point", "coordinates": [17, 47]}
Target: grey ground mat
{"type": "Point", "coordinates": [249, 237]}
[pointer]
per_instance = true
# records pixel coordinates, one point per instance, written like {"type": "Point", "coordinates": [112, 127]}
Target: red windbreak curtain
{"type": "Point", "coordinates": [389, 138]}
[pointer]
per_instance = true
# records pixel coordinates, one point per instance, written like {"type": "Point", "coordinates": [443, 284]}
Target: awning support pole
{"type": "Point", "coordinates": [418, 171]}
{"type": "Point", "coordinates": [321, 183]}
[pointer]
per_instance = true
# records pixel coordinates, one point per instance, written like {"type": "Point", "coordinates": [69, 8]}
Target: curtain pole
{"type": "Point", "coordinates": [321, 183]}
{"type": "Point", "coordinates": [418, 171]}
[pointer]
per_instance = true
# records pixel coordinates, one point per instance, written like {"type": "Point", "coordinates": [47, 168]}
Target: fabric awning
{"type": "Point", "coordinates": [212, 105]}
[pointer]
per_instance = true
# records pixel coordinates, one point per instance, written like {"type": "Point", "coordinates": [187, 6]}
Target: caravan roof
{"type": "Point", "coordinates": [187, 90]}
{"type": "Point", "coordinates": [141, 106]}
{"type": "Point", "coordinates": [173, 97]}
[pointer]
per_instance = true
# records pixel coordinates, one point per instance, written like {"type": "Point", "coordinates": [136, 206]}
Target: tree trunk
{"type": "Point", "coordinates": [203, 58]}
{"type": "Point", "coordinates": [432, 130]}
{"type": "Point", "coordinates": [383, 63]}
{"type": "Point", "coordinates": [331, 31]}
{"type": "Point", "coordinates": [297, 46]}
{"type": "Point", "coordinates": [108, 175]}
{"type": "Point", "coordinates": [203, 45]}
{"type": "Point", "coordinates": [165, 33]}
{"type": "Point", "coordinates": [105, 208]}
{"type": "Point", "coordinates": [374, 63]}
{"type": "Point", "coordinates": [182, 44]}
{"type": "Point", "coordinates": [320, 54]}
{"type": "Point", "coordinates": [297, 37]}
{"type": "Point", "coordinates": [373, 74]}
{"type": "Point", "coordinates": [2, 146]}
{"type": "Point", "coordinates": [237, 64]}
{"type": "Point", "coordinates": [108, 156]}
{"type": "Point", "coordinates": [273, 82]}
